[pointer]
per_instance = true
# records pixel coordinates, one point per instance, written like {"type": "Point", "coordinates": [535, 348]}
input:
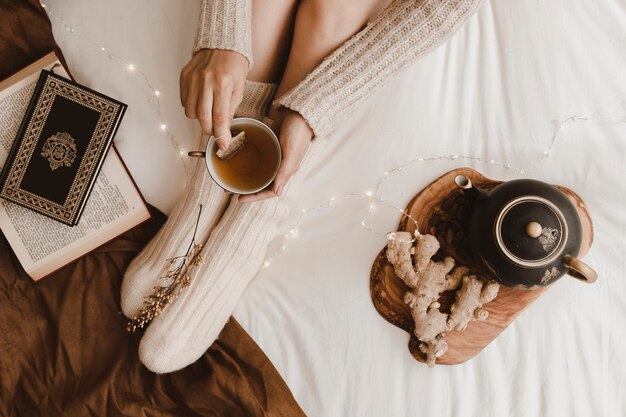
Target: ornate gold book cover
{"type": "Point", "coordinates": [60, 147]}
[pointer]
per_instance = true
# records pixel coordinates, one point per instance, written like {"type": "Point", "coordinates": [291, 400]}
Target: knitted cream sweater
{"type": "Point", "coordinates": [404, 31]}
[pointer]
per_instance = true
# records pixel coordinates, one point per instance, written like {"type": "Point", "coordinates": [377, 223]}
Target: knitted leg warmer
{"type": "Point", "coordinates": [174, 237]}
{"type": "Point", "coordinates": [232, 256]}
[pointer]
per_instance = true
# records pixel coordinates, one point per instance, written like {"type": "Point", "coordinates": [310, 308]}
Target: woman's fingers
{"type": "Point", "coordinates": [211, 88]}
{"type": "Point", "coordinates": [191, 96]}
{"type": "Point", "coordinates": [183, 87]}
{"type": "Point", "coordinates": [205, 108]}
{"type": "Point", "coordinates": [261, 195]}
{"type": "Point", "coordinates": [236, 98]}
{"type": "Point", "coordinates": [295, 138]}
{"type": "Point", "coordinates": [221, 115]}
{"type": "Point", "coordinates": [294, 149]}
{"type": "Point", "coordinates": [211, 105]}
{"type": "Point", "coordinates": [288, 167]}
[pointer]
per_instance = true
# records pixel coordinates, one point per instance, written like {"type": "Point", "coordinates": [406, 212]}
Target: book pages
{"type": "Point", "coordinates": [41, 244]}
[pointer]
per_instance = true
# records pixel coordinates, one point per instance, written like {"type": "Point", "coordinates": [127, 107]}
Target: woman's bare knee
{"type": "Point", "coordinates": [338, 19]}
{"type": "Point", "coordinates": [272, 30]}
{"type": "Point", "coordinates": [351, 13]}
{"type": "Point", "coordinates": [321, 26]}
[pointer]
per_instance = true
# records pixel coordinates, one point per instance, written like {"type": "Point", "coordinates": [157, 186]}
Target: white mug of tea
{"type": "Point", "coordinates": [253, 166]}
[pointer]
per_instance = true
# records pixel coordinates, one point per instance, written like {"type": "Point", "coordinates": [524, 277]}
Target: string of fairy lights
{"type": "Point", "coordinates": [132, 68]}
{"type": "Point", "coordinates": [372, 197]}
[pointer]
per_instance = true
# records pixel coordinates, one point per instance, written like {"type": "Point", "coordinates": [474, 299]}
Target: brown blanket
{"type": "Point", "coordinates": [64, 350]}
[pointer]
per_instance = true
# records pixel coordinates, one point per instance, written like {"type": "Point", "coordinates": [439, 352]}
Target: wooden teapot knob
{"type": "Point", "coordinates": [533, 229]}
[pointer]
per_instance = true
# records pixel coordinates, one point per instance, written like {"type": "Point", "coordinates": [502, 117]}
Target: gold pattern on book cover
{"type": "Point", "coordinates": [108, 111]}
{"type": "Point", "coordinates": [59, 150]}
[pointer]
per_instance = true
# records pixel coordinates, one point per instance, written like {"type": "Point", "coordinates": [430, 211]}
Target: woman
{"type": "Point", "coordinates": [318, 60]}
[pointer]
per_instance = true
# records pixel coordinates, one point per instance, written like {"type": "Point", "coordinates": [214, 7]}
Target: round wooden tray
{"type": "Point", "coordinates": [439, 209]}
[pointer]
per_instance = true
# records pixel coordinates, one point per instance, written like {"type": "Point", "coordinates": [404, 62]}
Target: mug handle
{"type": "Point", "coordinates": [197, 154]}
{"type": "Point", "coordinates": [579, 270]}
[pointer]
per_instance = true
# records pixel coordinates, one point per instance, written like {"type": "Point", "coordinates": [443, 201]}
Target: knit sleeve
{"type": "Point", "coordinates": [403, 32]}
{"type": "Point", "coordinates": [226, 24]}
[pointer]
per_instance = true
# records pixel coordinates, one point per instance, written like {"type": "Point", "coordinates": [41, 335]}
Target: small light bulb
{"type": "Point", "coordinates": [182, 153]}
{"type": "Point", "coordinates": [102, 48]}
{"type": "Point", "coordinates": [266, 264]}
{"type": "Point", "coordinates": [304, 210]}
{"type": "Point", "coordinates": [131, 67]}
{"type": "Point", "coordinates": [455, 156]}
{"type": "Point", "coordinates": [157, 93]}
{"type": "Point", "coordinates": [369, 193]}
{"type": "Point", "coordinates": [491, 161]}
{"type": "Point", "coordinates": [163, 126]}
{"type": "Point", "coordinates": [362, 222]}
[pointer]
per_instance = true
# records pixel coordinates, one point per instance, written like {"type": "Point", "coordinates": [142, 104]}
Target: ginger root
{"type": "Point", "coordinates": [434, 349]}
{"type": "Point", "coordinates": [469, 301]}
{"type": "Point", "coordinates": [427, 280]}
{"type": "Point", "coordinates": [399, 255]}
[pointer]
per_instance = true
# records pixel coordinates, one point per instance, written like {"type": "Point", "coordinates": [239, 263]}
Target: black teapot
{"type": "Point", "coordinates": [527, 233]}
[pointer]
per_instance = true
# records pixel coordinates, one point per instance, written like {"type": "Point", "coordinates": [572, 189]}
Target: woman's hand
{"type": "Point", "coordinates": [295, 137]}
{"type": "Point", "coordinates": [211, 88]}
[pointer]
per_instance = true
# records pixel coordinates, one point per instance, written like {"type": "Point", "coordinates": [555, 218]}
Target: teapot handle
{"type": "Point", "coordinates": [579, 270]}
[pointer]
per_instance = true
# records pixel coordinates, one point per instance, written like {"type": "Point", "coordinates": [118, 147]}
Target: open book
{"type": "Point", "coordinates": [115, 205]}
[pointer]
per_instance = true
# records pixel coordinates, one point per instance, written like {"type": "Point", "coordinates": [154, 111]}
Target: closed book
{"type": "Point", "coordinates": [59, 148]}
{"type": "Point", "coordinates": [43, 245]}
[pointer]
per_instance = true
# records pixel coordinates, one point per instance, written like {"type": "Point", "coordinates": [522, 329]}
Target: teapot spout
{"type": "Point", "coordinates": [472, 193]}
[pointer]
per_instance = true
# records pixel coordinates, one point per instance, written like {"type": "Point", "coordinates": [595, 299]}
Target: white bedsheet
{"type": "Point", "coordinates": [497, 91]}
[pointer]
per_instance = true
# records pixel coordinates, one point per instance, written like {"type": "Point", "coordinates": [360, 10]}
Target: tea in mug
{"type": "Point", "coordinates": [253, 165]}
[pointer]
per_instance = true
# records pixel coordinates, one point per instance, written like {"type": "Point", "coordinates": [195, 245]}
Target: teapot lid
{"type": "Point", "coordinates": [531, 231]}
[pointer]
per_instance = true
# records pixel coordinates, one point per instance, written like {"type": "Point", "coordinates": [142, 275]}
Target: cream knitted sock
{"type": "Point", "coordinates": [174, 237]}
{"type": "Point", "coordinates": [256, 100]}
{"type": "Point", "coordinates": [232, 256]}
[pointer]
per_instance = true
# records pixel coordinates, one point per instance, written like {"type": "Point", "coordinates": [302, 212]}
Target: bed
{"type": "Point", "coordinates": [525, 89]}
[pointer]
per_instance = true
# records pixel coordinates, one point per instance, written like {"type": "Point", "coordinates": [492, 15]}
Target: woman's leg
{"type": "Point", "coordinates": [272, 30]}
{"type": "Point", "coordinates": [237, 246]}
{"type": "Point", "coordinates": [172, 240]}
{"type": "Point", "coordinates": [321, 27]}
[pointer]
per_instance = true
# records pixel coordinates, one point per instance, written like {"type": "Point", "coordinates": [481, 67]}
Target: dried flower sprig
{"type": "Point", "coordinates": [171, 284]}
